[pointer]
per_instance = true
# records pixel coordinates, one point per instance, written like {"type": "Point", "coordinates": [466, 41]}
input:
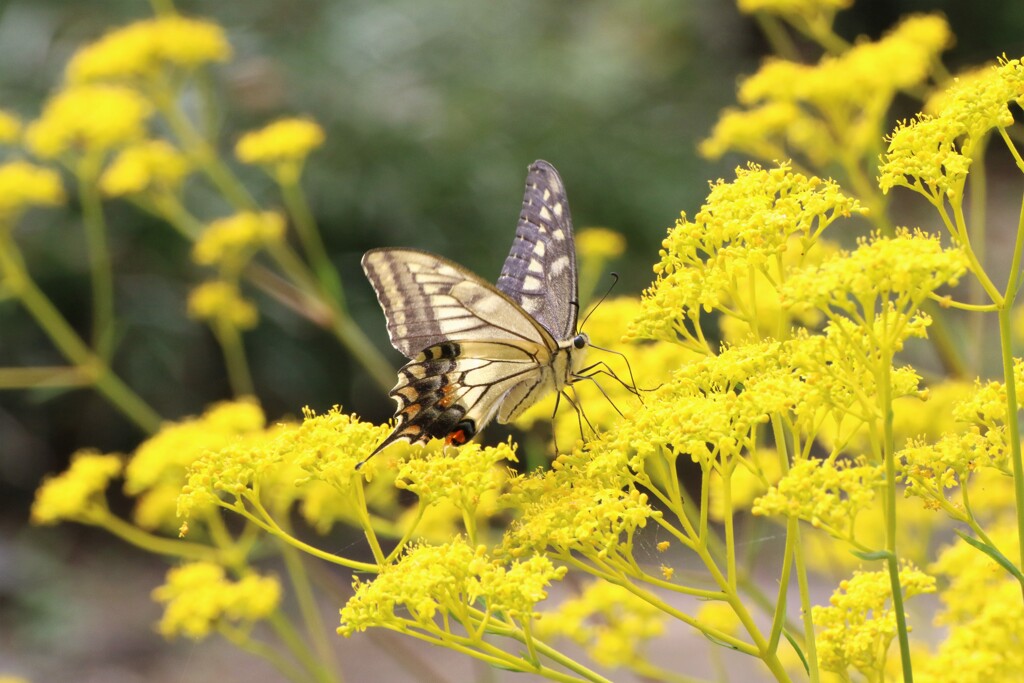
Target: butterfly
{"type": "Point", "coordinates": [479, 351]}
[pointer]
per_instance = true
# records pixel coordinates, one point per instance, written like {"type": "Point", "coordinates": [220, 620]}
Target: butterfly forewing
{"type": "Point", "coordinates": [478, 351]}
{"type": "Point", "coordinates": [540, 270]}
{"type": "Point", "coordinates": [428, 300]}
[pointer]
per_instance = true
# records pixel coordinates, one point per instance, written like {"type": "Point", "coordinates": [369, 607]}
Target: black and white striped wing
{"type": "Point", "coordinates": [540, 271]}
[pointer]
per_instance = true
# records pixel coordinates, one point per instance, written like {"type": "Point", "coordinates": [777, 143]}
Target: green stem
{"type": "Point", "coordinates": [1012, 407]}
{"type": "Point", "coordinates": [157, 545]}
{"type": "Point", "coordinates": [230, 340]}
{"type": "Point", "coordinates": [244, 642]}
{"type": "Point", "coordinates": [892, 560]}
{"type": "Point", "coordinates": [312, 243]}
{"type": "Point", "coordinates": [43, 376]}
{"type": "Point", "coordinates": [68, 342]}
{"type": "Point", "coordinates": [315, 627]}
{"type": "Point", "coordinates": [101, 271]}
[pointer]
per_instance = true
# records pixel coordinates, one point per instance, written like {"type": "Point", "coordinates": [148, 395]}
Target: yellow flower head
{"type": "Point", "coordinates": [463, 476]}
{"type": "Point", "coordinates": [199, 599]}
{"type": "Point", "coordinates": [613, 624]}
{"type": "Point", "coordinates": [152, 165]}
{"type": "Point", "coordinates": [744, 225]}
{"type": "Point", "coordinates": [286, 140]}
{"type": "Point", "coordinates": [857, 627]}
{"type": "Point", "coordinates": [220, 302]}
{"type": "Point", "coordinates": [166, 456]}
{"type": "Point", "coordinates": [230, 242]}
{"type": "Point", "coordinates": [23, 185]}
{"type": "Point", "coordinates": [430, 582]}
{"type": "Point", "coordinates": [86, 119]}
{"type": "Point", "coordinates": [808, 9]}
{"type": "Point", "coordinates": [599, 243]}
{"type": "Point", "coordinates": [827, 494]}
{"type": "Point", "coordinates": [772, 130]}
{"type": "Point", "coordinates": [141, 49]}
{"type": "Point", "coordinates": [78, 492]}
{"type": "Point", "coordinates": [904, 269]}
{"type": "Point", "coordinates": [10, 128]}
{"type": "Point", "coordinates": [923, 155]}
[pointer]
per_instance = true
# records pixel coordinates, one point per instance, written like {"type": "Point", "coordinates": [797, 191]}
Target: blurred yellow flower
{"type": "Point", "coordinates": [220, 301]}
{"type": "Point", "coordinates": [199, 598]}
{"type": "Point", "coordinates": [149, 165]}
{"type": "Point", "coordinates": [10, 128]}
{"type": "Point", "coordinates": [140, 49]}
{"type": "Point", "coordinates": [230, 242]}
{"type": "Point", "coordinates": [286, 140]}
{"type": "Point", "coordinates": [23, 184]}
{"type": "Point", "coordinates": [88, 119]}
{"type": "Point", "coordinates": [77, 492]}
{"type": "Point", "coordinates": [599, 243]}
{"type": "Point", "coordinates": [803, 8]}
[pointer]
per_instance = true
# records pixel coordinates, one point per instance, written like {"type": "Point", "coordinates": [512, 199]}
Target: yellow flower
{"type": "Point", "coordinates": [165, 457]}
{"type": "Point", "coordinates": [433, 585]}
{"type": "Point", "coordinates": [463, 476]}
{"type": "Point", "coordinates": [230, 242]}
{"type": "Point", "coordinates": [10, 128]}
{"type": "Point", "coordinates": [150, 165]}
{"type": "Point", "coordinates": [199, 599]}
{"type": "Point", "coordinates": [749, 479]}
{"type": "Point", "coordinates": [744, 225]}
{"type": "Point", "coordinates": [802, 8]}
{"type": "Point", "coordinates": [221, 302]}
{"type": "Point", "coordinates": [857, 627]}
{"type": "Point", "coordinates": [923, 156]}
{"type": "Point", "coordinates": [286, 140]}
{"type": "Point", "coordinates": [88, 119]}
{"type": "Point", "coordinates": [769, 131]}
{"type": "Point", "coordinates": [77, 493]}
{"type": "Point", "coordinates": [827, 494]}
{"type": "Point", "coordinates": [610, 622]}
{"type": "Point", "coordinates": [141, 49]}
{"type": "Point", "coordinates": [600, 243]}
{"type": "Point", "coordinates": [23, 184]}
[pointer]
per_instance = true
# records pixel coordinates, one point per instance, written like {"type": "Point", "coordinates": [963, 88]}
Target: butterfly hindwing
{"type": "Point", "coordinates": [540, 270]}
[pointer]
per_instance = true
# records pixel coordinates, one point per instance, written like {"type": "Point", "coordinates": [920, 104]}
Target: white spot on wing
{"type": "Point", "coordinates": [558, 235]}
{"type": "Point", "coordinates": [559, 264]}
{"type": "Point", "coordinates": [558, 210]}
{"type": "Point", "coordinates": [536, 266]}
{"type": "Point", "coordinates": [544, 213]}
{"type": "Point", "coordinates": [532, 283]}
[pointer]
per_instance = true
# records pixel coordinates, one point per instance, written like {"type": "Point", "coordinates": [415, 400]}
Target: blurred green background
{"type": "Point", "coordinates": [433, 109]}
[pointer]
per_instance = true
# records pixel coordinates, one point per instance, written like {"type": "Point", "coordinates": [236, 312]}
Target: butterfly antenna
{"type": "Point", "coordinates": [615, 281]}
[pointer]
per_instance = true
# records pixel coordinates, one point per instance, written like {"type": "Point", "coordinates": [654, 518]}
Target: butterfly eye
{"type": "Point", "coordinates": [580, 341]}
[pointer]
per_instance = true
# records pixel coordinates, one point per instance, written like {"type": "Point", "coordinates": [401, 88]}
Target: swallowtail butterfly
{"type": "Point", "coordinates": [479, 351]}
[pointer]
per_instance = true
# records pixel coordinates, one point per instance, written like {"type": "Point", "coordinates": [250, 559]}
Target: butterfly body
{"type": "Point", "coordinates": [478, 351]}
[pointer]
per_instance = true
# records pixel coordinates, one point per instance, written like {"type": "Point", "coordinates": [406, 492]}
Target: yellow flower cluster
{"type": "Point", "coordinates": [465, 476]}
{"type": "Point", "coordinates": [835, 108]}
{"type": "Point", "coordinates": [576, 508]}
{"type": "Point", "coordinates": [610, 622]}
{"type": "Point", "coordinates": [930, 467]}
{"type": "Point", "coordinates": [283, 141]}
{"type": "Point", "coordinates": [230, 242]}
{"type": "Point", "coordinates": [932, 154]}
{"type": "Point", "coordinates": [222, 302]}
{"type": "Point", "coordinates": [825, 493]}
{"type": "Point", "coordinates": [153, 165]}
{"type": "Point", "coordinates": [802, 8]}
{"type": "Point", "coordinates": [744, 225]}
{"type": "Point", "coordinates": [857, 627]}
{"type": "Point", "coordinates": [750, 479]}
{"type": "Point", "coordinates": [88, 119]}
{"type": "Point", "coordinates": [601, 244]}
{"type": "Point", "coordinates": [200, 599]}
{"type": "Point", "coordinates": [447, 581]}
{"type": "Point", "coordinates": [23, 185]}
{"type": "Point", "coordinates": [10, 128]}
{"type": "Point", "coordinates": [141, 49]}
{"type": "Point", "coordinates": [78, 492]}
{"type": "Point", "coordinates": [904, 269]}
{"type": "Point", "coordinates": [156, 471]}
